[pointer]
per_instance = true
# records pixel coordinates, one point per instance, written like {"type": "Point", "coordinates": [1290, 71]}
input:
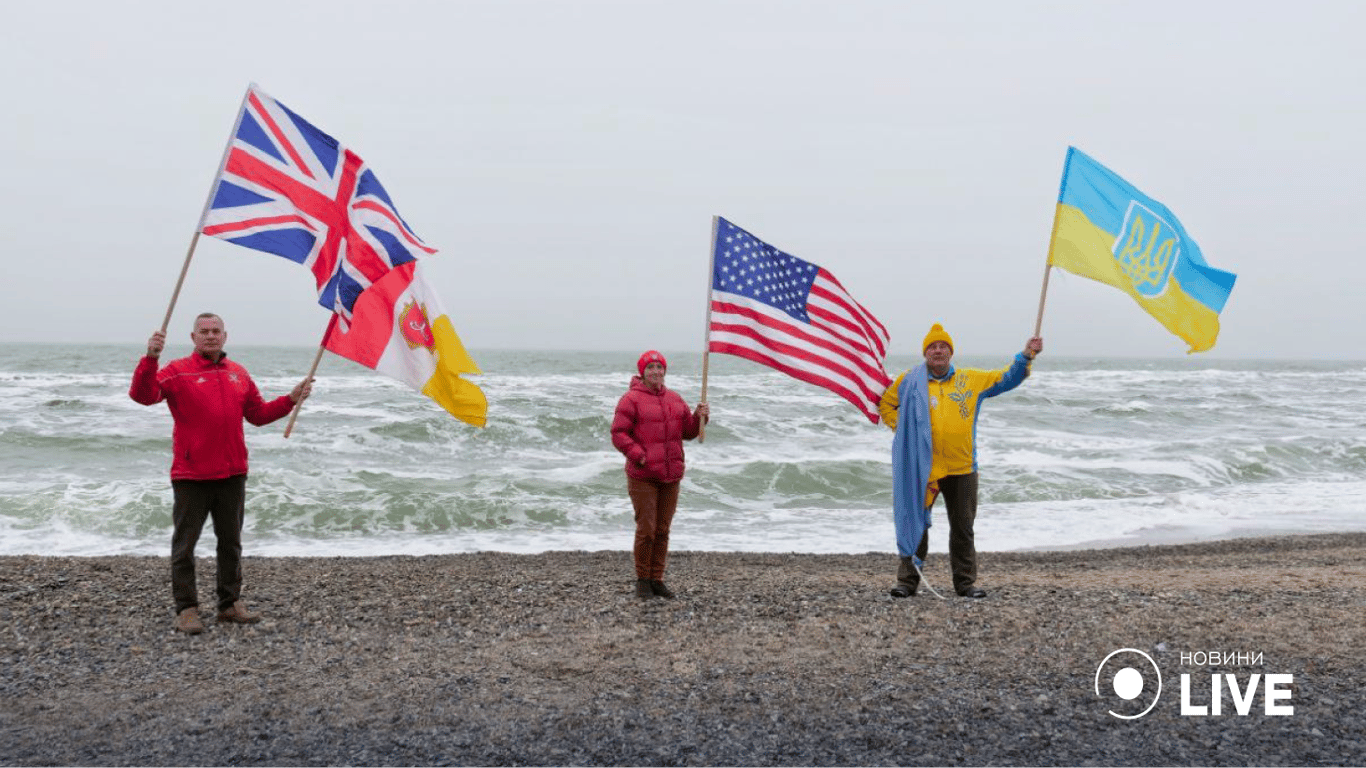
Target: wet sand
{"type": "Point", "coordinates": [764, 659]}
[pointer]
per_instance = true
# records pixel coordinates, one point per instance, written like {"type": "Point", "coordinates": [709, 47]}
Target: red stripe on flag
{"type": "Point", "coordinates": [799, 332]}
{"type": "Point", "coordinates": [279, 135]}
{"type": "Point", "coordinates": [359, 253]}
{"type": "Point", "coordinates": [838, 325]}
{"type": "Point", "coordinates": [304, 198]}
{"type": "Point", "coordinates": [253, 223]}
{"type": "Point", "coordinates": [796, 373]}
{"type": "Point", "coordinates": [861, 316]}
{"type": "Point", "coordinates": [790, 352]}
{"type": "Point", "coordinates": [370, 205]}
{"type": "Point", "coordinates": [862, 310]}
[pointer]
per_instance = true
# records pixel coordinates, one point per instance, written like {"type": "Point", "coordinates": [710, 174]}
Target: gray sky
{"type": "Point", "coordinates": [567, 157]}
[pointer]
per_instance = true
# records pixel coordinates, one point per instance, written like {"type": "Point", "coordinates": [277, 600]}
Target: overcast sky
{"type": "Point", "coordinates": [566, 159]}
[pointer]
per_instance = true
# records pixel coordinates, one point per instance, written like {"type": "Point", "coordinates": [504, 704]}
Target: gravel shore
{"type": "Point", "coordinates": [764, 659]}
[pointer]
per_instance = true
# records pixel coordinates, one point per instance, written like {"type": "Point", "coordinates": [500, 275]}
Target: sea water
{"type": "Point", "coordinates": [1087, 452]}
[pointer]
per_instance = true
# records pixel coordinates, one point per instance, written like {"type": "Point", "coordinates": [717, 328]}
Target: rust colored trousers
{"type": "Point", "coordinates": [655, 503]}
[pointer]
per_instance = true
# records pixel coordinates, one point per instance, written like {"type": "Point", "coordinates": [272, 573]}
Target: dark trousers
{"type": "Point", "coordinates": [196, 500]}
{"type": "Point", "coordinates": [655, 503]}
{"type": "Point", "coordinates": [960, 500]}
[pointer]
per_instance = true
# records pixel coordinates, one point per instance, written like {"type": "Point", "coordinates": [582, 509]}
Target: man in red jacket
{"type": "Point", "coordinates": [209, 396]}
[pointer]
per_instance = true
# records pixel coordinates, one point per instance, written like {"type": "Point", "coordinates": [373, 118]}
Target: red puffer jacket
{"type": "Point", "coordinates": [649, 428]}
{"type": "Point", "coordinates": [208, 401]}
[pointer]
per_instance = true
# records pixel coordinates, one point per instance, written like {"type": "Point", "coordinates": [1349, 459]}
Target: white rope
{"type": "Point", "coordinates": [926, 583]}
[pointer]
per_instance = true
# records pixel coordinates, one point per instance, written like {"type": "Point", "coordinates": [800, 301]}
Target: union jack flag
{"type": "Point", "coordinates": [773, 308]}
{"type": "Point", "coordinates": [289, 189]}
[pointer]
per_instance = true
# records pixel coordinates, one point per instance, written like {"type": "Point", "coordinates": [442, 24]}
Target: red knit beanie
{"type": "Point", "coordinates": [651, 357]}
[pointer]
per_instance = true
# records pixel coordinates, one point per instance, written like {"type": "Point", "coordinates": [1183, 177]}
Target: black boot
{"type": "Point", "coordinates": [907, 579]}
{"type": "Point", "coordinates": [657, 585]}
{"type": "Point", "coordinates": [644, 588]}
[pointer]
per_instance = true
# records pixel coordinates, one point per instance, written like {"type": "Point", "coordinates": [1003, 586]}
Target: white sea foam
{"type": "Point", "coordinates": [1084, 451]}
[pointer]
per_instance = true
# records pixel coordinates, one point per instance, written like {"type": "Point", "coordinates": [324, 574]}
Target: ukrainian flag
{"type": "Point", "coordinates": [1110, 232]}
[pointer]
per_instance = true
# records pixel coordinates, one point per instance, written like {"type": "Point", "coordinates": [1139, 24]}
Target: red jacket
{"type": "Point", "coordinates": [208, 401]}
{"type": "Point", "coordinates": [649, 428]}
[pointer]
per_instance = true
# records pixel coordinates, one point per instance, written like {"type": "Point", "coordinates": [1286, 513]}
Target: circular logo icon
{"type": "Point", "coordinates": [1130, 681]}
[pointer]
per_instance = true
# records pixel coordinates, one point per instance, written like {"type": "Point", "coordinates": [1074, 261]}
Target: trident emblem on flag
{"type": "Point", "coordinates": [1147, 248]}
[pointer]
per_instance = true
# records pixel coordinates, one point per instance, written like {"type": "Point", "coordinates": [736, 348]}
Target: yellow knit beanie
{"type": "Point", "coordinates": [937, 333]}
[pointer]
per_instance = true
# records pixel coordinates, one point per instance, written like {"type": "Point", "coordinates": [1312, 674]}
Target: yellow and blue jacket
{"type": "Point", "coordinates": [954, 401]}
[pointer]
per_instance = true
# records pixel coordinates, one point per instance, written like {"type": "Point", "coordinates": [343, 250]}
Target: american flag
{"type": "Point", "coordinates": [289, 189]}
{"type": "Point", "coordinates": [773, 308]}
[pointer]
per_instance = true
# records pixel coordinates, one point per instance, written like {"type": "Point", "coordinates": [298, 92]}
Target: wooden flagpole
{"type": "Point", "coordinates": [1043, 295]}
{"type": "Point", "coordinates": [1047, 269]}
{"type": "Point", "coordinates": [322, 347]}
{"type": "Point", "coordinates": [706, 341]}
{"type": "Point", "coordinates": [208, 201]}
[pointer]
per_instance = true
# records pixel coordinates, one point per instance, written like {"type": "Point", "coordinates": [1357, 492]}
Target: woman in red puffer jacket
{"type": "Point", "coordinates": [650, 426]}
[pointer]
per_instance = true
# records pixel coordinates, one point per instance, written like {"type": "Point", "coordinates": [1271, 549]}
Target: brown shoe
{"type": "Point", "coordinates": [187, 621]}
{"type": "Point", "coordinates": [238, 614]}
{"type": "Point", "coordinates": [657, 586]}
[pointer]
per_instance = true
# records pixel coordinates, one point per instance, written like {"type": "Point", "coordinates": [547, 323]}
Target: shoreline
{"type": "Point", "coordinates": [1148, 537]}
{"type": "Point", "coordinates": [1152, 537]}
{"type": "Point", "coordinates": [765, 659]}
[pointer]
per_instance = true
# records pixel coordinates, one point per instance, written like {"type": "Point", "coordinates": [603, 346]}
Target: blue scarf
{"type": "Point", "coordinates": [912, 458]}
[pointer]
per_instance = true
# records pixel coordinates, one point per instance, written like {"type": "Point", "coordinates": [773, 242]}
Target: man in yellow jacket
{"type": "Point", "coordinates": [933, 408]}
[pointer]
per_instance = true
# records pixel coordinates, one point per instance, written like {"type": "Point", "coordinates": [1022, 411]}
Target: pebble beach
{"type": "Point", "coordinates": [763, 659]}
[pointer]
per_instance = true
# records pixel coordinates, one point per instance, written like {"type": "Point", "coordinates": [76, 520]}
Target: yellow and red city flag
{"type": "Point", "coordinates": [399, 328]}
